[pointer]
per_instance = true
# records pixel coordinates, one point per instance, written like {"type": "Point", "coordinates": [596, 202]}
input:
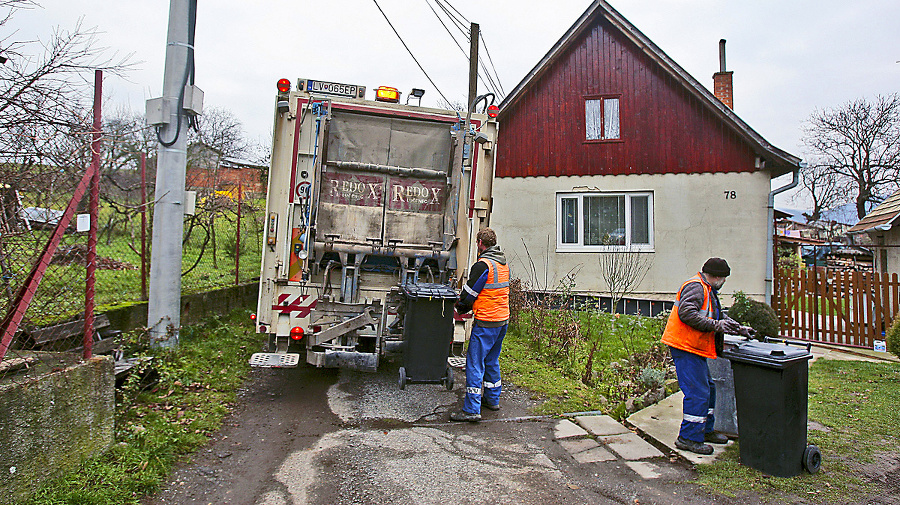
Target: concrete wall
{"type": "Point", "coordinates": [53, 421]}
{"type": "Point", "coordinates": [194, 307]}
{"type": "Point", "coordinates": [692, 221]}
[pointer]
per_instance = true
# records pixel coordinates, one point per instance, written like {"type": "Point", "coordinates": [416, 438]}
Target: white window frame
{"type": "Point", "coordinates": [579, 246]}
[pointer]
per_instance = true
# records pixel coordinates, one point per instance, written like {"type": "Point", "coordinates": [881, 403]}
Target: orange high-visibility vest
{"type": "Point", "coordinates": [492, 303]}
{"type": "Point", "coordinates": [681, 336]}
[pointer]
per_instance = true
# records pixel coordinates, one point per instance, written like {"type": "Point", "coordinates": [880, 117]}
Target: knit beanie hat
{"type": "Point", "coordinates": [716, 267]}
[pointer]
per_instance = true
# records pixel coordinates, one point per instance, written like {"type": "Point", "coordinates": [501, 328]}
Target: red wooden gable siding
{"type": "Point", "coordinates": [664, 128]}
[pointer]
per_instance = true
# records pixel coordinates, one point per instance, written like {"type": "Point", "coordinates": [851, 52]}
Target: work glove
{"type": "Point", "coordinates": [728, 325]}
{"type": "Point", "coordinates": [462, 308]}
{"type": "Point", "coordinates": [747, 332]}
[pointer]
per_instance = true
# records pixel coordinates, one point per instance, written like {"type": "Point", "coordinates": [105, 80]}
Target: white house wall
{"type": "Point", "coordinates": [692, 221]}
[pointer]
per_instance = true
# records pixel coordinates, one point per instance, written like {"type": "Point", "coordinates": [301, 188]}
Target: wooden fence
{"type": "Point", "coordinates": [847, 308]}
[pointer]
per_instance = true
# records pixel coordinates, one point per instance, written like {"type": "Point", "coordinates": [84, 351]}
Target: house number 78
{"type": "Point", "coordinates": [730, 195]}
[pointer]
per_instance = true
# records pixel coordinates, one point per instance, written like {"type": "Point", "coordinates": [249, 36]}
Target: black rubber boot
{"type": "Point", "coordinates": [491, 407]}
{"type": "Point", "coordinates": [465, 416]}
{"type": "Point", "coordinates": [715, 438]}
{"type": "Point", "coordinates": [696, 447]}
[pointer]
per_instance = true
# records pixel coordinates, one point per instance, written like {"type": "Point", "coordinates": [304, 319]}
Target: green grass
{"type": "Point", "coordinates": [584, 360]}
{"type": "Point", "coordinates": [159, 425]}
{"type": "Point", "coordinates": [61, 293]}
{"type": "Point", "coordinates": [857, 404]}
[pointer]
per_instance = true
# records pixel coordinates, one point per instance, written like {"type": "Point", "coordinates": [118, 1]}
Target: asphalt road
{"type": "Point", "coordinates": [316, 436]}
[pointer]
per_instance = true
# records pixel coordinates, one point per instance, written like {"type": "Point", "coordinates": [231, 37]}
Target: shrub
{"type": "Point", "coordinates": [758, 315]}
{"type": "Point", "coordinates": [892, 337]}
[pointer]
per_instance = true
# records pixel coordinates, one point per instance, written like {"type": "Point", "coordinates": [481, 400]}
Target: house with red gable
{"type": "Point", "coordinates": [608, 146]}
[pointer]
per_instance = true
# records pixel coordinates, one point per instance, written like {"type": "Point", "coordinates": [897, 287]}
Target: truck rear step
{"type": "Point", "coordinates": [274, 360]}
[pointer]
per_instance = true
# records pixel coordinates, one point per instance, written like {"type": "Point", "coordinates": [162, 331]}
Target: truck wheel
{"type": "Point", "coordinates": [448, 380]}
{"type": "Point", "coordinates": [812, 459]}
{"type": "Point", "coordinates": [402, 380]}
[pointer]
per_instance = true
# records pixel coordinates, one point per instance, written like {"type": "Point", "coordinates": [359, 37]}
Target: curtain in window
{"type": "Point", "coordinates": [569, 219]}
{"type": "Point", "coordinates": [593, 119]}
{"type": "Point", "coordinates": [611, 118]}
{"type": "Point", "coordinates": [640, 219]}
{"type": "Point", "coordinates": [604, 220]}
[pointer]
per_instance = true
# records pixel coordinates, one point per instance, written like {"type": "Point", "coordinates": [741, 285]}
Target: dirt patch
{"type": "Point", "coordinates": [884, 475]}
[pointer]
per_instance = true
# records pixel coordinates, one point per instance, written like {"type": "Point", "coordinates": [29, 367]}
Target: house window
{"type": "Point", "coordinates": [601, 118]}
{"type": "Point", "coordinates": [598, 221]}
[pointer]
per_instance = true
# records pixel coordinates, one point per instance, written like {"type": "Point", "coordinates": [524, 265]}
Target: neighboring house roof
{"type": "Point", "coordinates": [881, 217]}
{"type": "Point", "coordinates": [782, 162]}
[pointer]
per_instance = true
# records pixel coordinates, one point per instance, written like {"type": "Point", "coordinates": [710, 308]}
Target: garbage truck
{"type": "Point", "coordinates": [364, 197]}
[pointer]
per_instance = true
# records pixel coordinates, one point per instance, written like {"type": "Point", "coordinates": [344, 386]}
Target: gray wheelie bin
{"type": "Point", "coordinates": [427, 334]}
{"type": "Point", "coordinates": [770, 389]}
{"type": "Point", "coordinates": [720, 372]}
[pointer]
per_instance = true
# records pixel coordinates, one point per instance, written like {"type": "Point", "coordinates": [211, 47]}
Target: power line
{"type": "Point", "coordinates": [410, 52]}
{"type": "Point", "coordinates": [484, 76]}
{"type": "Point", "coordinates": [491, 61]}
{"type": "Point", "coordinates": [446, 28]}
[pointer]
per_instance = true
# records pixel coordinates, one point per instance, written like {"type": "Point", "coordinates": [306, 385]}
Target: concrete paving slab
{"type": "Point", "coordinates": [568, 429]}
{"type": "Point", "coordinates": [644, 469]}
{"type": "Point", "coordinates": [574, 446]}
{"type": "Point", "coordinates": [662, 421]}
{"type": "Point", "coordinates": [601, 426]}
{"type": "Point", "coordinates": [630, 446]}
{"type": "Point", "coordinates": [594, 455]}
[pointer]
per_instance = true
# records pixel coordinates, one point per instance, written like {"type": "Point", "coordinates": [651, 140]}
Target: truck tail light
{"type": "Point", "coordinates": [253, 317]}
{"type": "Point", "coordinates": [387, 94]}
{"type": "Point", "coordinates": [296, 333]}
{"type": "Point", "coordinates": [284, 85]}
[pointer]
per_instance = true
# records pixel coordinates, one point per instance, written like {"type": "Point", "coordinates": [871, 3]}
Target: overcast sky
{"type": "Point", "coordinates": [789, 57]}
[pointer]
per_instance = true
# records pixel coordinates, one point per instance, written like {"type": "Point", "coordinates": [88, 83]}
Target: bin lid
{"type": "Point", "coordinates": [766, 354]}
{"type": "Point", "coordinates": [429, 291]}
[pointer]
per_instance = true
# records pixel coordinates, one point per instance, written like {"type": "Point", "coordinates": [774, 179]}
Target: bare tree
{"type": "Point", "coordinates": [824, 187]}
{"type": "Point", "coordinates": [859, 143]}
{"type": "Point", "coordinates": [623, 268]}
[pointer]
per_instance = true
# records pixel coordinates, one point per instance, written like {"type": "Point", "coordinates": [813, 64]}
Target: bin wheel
{"type": "Point", "coordinates": [402, 380]}
{"type": "Point", "coordinates": [448, 380]}
{"type": "Point", "coordinates": [812, 459]}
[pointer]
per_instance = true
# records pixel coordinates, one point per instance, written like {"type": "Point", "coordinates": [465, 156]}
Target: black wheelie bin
{"type": "Point", "coordinates": [771, 389]}
{"type": "Point", "coordinates": [427, 334]}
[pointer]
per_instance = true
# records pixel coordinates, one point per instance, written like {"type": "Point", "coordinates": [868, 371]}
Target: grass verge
{"type": "Point", "coordinates": [584, 360]}
{"type": "Point", "coordinates": [164, 412]}
{"type": "Point", "coordinates": [853, 409]}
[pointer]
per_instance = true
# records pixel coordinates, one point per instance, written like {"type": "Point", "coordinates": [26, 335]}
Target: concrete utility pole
{"type": "Point", "coordinates": [164, 308]}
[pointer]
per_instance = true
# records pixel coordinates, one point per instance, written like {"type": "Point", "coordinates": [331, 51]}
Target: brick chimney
{"type": "Point", "coordinates": [722, 87]}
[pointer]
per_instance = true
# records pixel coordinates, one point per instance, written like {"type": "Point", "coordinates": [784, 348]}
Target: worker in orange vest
{"type": "Point", "coordinates": [487, 295]}
{"type": "Point", "coordinates": [694, 333]}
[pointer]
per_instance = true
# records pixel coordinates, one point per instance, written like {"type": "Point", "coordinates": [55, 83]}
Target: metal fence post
{"type": "Point", "coordinates": [91, 265]}
{"type": "Point", "coordinates": [237, 241]}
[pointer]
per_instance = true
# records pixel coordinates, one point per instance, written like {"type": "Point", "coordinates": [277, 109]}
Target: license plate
{"type": "Point", "coordinates": [334, 88]}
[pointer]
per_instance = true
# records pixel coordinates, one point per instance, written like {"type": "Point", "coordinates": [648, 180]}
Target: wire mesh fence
{"type": "Point", "coordinates": [221, 239]}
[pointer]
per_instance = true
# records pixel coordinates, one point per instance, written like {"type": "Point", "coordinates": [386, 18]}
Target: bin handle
{"type": "Point", "coordinates": [785, 341]}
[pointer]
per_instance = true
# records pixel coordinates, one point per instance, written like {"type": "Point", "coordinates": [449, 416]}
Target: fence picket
{"type": "Point", "coordinates": [848, 308]}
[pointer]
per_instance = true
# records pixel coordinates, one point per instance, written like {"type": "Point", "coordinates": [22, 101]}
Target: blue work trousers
{"type": "Point", "coordinates": [699, 394]}
{"type": "Point", "coordinates": [483, 367]}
